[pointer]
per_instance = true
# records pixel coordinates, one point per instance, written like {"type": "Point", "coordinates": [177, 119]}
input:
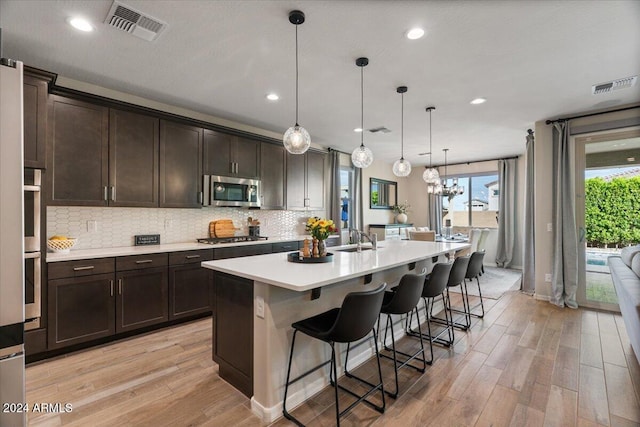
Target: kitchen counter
{"type": "Point", "coordinates": [153, 249]}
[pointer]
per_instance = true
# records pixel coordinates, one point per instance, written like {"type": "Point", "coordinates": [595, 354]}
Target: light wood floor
{"type": "Point", "coordinates": [526, 363]}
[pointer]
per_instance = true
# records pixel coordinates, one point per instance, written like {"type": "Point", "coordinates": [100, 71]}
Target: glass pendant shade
{"type": "Point", "coordinates": [431, 176]}
{"type": "Point", "coordinates": [296, 140]}
{"type": "Point", "coordinates": [401, 168]}
{"type": "Point", "coordinates": [362, 157]}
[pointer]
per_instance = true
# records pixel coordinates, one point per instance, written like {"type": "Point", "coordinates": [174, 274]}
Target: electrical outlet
{"type": "Point", "coordinates": [547, 277]}
{"type": "Point", "coordinates": [260, 307]}
{"type": "Point", "coordinates": [549, 226]}
{"type": "Point", "coordinates": [92, 226]}
{"type": "Point", "coordinates": [168, 224]}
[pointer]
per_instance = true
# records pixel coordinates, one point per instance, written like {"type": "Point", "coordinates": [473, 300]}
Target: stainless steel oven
{"type": "Point", "coordinates": [230, 191]}
{"type": "Point", "coordinates": [32, 254]}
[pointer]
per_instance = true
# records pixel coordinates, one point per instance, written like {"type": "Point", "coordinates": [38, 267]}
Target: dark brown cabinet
{"type": "Point", "coordinates": [133, 159]}
{"type": "Point", "coordinates": [240, 251]}
{"type": "Point", "coordinates": [141, 298]}
{"type": "Point", "coordinates": [229, 155]}
{"type": "Point", "coordinates": [306, 181]}
{"type": "Point", "coordinates": [285, 246]}
{"type": "Point", "coordinates": [78, 153]}
{"type": "Point", "coordinates": [180, 165]}
{"type": "Point", "coordinates": [190, 285]}
{"type": "Point", "coordinates": [35, 89]}
{"type": "Point", "coordinates": [272, 176]}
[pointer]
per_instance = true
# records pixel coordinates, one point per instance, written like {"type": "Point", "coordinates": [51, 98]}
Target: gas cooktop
{"type": "Point", "coordinates": [233, 239]}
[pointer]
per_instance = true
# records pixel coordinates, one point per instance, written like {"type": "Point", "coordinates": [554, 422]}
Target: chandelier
{"type": "Point", "coordinates": [450, 190]}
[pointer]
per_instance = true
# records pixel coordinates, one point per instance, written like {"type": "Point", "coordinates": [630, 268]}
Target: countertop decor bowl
{"type": "Point", "coordinates": [61, 246]}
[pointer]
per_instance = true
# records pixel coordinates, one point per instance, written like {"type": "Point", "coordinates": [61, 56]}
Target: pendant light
{"type": "Point", "coordinates": [296, 139]}
{"type": "Point", "coordinates": [402, 167]}
{"type": "Point", "coordinates": [431, 175]}
{"type": "Point", "coordinates": [362, 156]}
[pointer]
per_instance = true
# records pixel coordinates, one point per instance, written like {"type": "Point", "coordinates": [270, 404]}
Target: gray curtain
{"type": "Point", "coordinates": [435, 213]}
{"type": "Point", "coordinates": [358, 221]}
{"type": "Point", "coordinates": [507, 172]}
{"type": "Point", "coordinates": [335, 204]}
{"type": "Point", "coordinates": [564, 282]}
{"type": "Point", "coordinates": [529, 262]}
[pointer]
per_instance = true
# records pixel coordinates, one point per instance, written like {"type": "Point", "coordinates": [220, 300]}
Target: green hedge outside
{"type": "Point", "coordinates": [612, 211]}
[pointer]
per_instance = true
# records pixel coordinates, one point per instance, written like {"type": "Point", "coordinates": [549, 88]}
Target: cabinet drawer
{"type": "Point", "coordinates": [240, 251]}
{"type": "Point", "coordinates": [136, 262]}
{"type": "Point", "coordinates": [190, 257]}
{"type": "Point", "coordinates": [285, 246]}
{"type": "Point", "coordinates": [395, 231]}
{"type": "Point", "coordinates": [79, 268]}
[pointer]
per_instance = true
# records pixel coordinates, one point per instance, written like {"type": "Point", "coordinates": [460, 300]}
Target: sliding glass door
{"type": "Point", "coordinates": [607, 209]}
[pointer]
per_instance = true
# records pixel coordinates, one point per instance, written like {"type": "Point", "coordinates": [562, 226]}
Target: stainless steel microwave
{"type": "Point", "coordinates": [231, 191]}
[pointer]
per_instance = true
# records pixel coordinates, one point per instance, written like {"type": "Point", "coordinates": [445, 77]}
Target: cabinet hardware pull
{"type": "Point", "coordinates": [88, 267]}
{"type": "Point", "coordinates": [111, 285]}
{"type": "Point", "coordinates": [144, 261]}
{"type": "Point", "coordinates": [119, 286]}
{"type": "Point", "coordinates": [306, 202]}
{"type": "Point", "coordinates": [192, 256]}
{"type": "Point", "coordinates": [200, 197]}
{"type": "Point", "coordinates": [105, 194]}
{"type": "Point", "coordinates": [113, 193]}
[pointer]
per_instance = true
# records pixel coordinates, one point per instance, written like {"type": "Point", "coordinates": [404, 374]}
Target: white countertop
{"type": "Point", "coordinates": [274, 269]}
{"type": "Point", "coordinates": [153, 249]}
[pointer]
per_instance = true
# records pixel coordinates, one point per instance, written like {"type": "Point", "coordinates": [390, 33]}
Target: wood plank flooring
{"type": "Point", "coordinates": [527, 363]}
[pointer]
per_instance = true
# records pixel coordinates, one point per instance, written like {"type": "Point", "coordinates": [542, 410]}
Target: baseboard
{"type": "Point", "coordinates": [541, 297]}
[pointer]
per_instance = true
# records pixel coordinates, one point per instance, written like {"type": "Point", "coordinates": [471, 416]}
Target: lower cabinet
{"type": "Point", "coordinates": [190, 285]}
{"type": "Point", "coordinates": [142, 298]}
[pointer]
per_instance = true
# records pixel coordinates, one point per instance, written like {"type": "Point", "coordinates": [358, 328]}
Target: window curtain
{"type": "Point", "coordinates": [335, 204]}
{"type": "Point", "coordinates": [529, 262]}
{"type": "Point", "coordinates": [564, 281]}
{"type": "Point", "coordinates": [507, 172]}
{"type": "Point", "coordinates": [435, 213]}
{"type": "Point", "coordinates": [357, 202]}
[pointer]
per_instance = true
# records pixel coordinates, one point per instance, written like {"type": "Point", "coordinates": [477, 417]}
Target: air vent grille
{"type": "Point", "coordinates": [125, 18]}
{"type": "Point", "coordinates": [614, 85]}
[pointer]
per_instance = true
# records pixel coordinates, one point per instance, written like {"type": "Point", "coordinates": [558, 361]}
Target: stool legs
{"type": "Point", "coordinates": [437, 338]}
{"type": "Point", "coordinates": [286, 413]}
{"type": "Point", "coordinates": [480, 304]}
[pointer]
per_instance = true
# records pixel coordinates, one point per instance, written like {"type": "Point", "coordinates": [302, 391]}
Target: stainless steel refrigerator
{"type": "Point", "coordinates": [12, 380]}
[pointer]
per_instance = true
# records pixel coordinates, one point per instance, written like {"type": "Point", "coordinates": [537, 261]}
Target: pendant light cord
{"type": "Point", "coordinates": [402, 128]}
{"type": "Point", "coordinates": [362, 106]}
{"type": "Point", "coordinates": [430, 146]}
{"type": "Point", "coordinates": [296, 75]}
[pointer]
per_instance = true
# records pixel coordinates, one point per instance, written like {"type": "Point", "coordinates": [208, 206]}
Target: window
{"type": "Point", "coordinates": [477, 206]}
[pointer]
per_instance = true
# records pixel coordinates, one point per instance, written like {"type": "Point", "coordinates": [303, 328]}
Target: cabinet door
{"type": "Point", "coordinates": [296, 181]}
{"type": "Point", "coordinates": [133, 159]}
{"type": "Point", "coordinates": [180, 165]}
{"type": "Point", "coordinates": [217, 153]}
{"type": "Point", "coordinates": [80, 309]}
{"type": "Point", "coordinates": [190, 290]}
{"type": "Point", "coordinates": [78, 152]}
{"type": "Point", "coordinates": [35, 120]}
{"type": "Point", "coordinates": [272, 176]}
{"type": "Point", "coordinates": [246, 155]}
{"type": "Point", "coordinates": [141, 299]}
{"type": "Point", "coordinates": [316, 165]}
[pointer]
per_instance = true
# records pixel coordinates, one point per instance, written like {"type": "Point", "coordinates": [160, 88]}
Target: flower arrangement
{"type": "Point", "coordinates": [320, 228]}
{"type": "Point", "coordinates": [402, 208]}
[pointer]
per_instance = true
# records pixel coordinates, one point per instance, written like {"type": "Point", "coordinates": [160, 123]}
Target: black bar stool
{"type": "Point", "coordinates": [474, 270]}
{"type": "Point", "coordinates": [456, 277]}
{"type": "Point", "coordinates": [403, 300]}
{"type": "Point", "coordinates": [435, 285]}
{"type": "Point", "coordinates": [349, 323]}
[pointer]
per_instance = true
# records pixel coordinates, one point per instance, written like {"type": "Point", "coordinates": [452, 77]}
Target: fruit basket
{"type": "Point", "coordinates": [61, 245]}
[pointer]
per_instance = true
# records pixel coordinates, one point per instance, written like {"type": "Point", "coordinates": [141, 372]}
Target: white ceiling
{"type": "Point", "coordinates": [532, 60]}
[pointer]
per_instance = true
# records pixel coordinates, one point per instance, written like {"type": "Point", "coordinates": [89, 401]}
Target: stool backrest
{"type": "Point", "coordinates": [357, 316]}
{"type": "Point", "coordinates": [458, 271]}
{"type": "Point", "coordinates": [437, 281]}
{"type": "Point", "coordinates": [407, 296]}
{"type": "Point", "coordinates": [429, 236]}
{"type": "Point", "coordinates": [475, 265]}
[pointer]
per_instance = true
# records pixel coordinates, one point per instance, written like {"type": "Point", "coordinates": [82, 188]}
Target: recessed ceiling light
{"type": "Point", "coordinates": [273, 97]}
{"type": "Point", "coordinates": [478, 101]}
{"type": "Point", "coordinates": [415, 33]}
{"type": "Point", "coordinates": [81, 24]}
{"type": "Point", "coordinates": [357, 130]}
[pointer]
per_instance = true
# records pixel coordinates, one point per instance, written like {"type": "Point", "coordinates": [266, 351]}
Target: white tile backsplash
{"type": "Point", "coordinates": [117, 226]}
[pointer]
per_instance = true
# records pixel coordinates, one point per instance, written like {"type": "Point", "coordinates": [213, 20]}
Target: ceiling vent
{"type": "Point", "coordinates": [125, 18]}
{"type": "Point", "coordinates": [614, 85]}
{"type": "Point", "coordinates": [380, 129]}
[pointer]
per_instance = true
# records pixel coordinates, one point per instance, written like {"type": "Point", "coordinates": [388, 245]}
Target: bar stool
{"type": "Point", "coordinates": [474, 271]}
{"type": "Point", "coordinates": [435, 285]}
{"type": "Point", "coordinates": [403, 300]}
{"type": "Point", "coordinates": [456, 277]}
{"type": "Point", "coordinates": [349, 323]}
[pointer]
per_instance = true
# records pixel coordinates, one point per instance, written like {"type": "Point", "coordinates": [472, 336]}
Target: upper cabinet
{"type": "Point", "coordinates": [180, 165]}
{"type": "Point", "coordinates": [35, 88]}
{"type": "Point", "coordinates": [78, 145]}
{"type": "Point", "coordinates": [306, 180]}
{"type": "Point", "coordinates": [273, 176]}
{"type": "Point", "coordinates": [133, 159]}
{"type": "Point", "coordinates": [229, 155]}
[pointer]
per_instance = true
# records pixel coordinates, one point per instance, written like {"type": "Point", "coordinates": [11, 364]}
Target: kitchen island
{"type": "Point", "coordinates": [258, 298]}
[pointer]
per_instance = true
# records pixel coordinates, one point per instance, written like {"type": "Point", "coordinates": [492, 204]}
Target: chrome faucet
{"type": "Point", "coordinates": [373, 238]}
